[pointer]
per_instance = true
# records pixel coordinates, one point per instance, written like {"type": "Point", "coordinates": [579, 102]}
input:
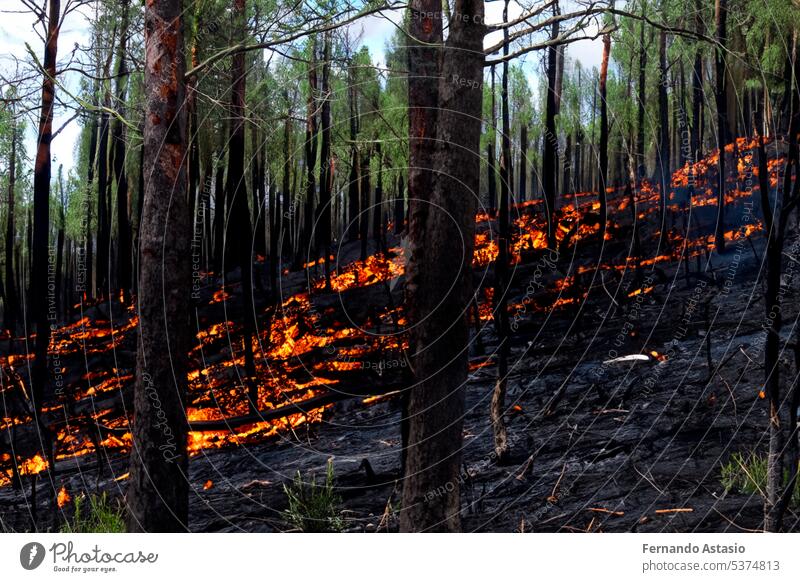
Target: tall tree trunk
{"type": "Point", "coordinates": [11, 305]}
{"type": "Point", "coordinates": [239, 232]}
{"type": "Point", "coordinates": [118, 140]}
{"type": "Point", "coordinates": [365, 207]}
{"type": "Point", "coordinates": [641, 154]}
{"type": "Point", "coordinates": [491, 148]}
{"type": "Point", "coordinates": [775, 222]}
{"type": "Point", "coordinates": [721, 15]}
{"type": "Point", "coordinates": [157, 498]}
{"type": "Point", "coordinates": [60, 242]}
{"type": "Point", "coordinates": [498, 405]}
{"type": "Point", "coordinates": [441, 288]}
{"type": "Point", "coordinates": [41, 227]}
{"type": "Point", "coordinates": [663, 170]}
{"type": "Point", "coordinates": [219, 210]}
{"type": "Point", "coordinates": [550, 145]}
{"type": "Point", "coordinates": [377, 213]}
{"type": "Point", "coordinates": [326, 164]}
{"type": "Point", "coordinates": [353, 199]}
{"type": "Point", "coordinates": [103, 227]}
{"type": "Point", "coordinates": [603, 186]}
{"type": "Point", "coordinates": [311, 154]}
{"type": "Point", "coordinates": [522, 193]}
{"type": "Point", "coordinates": [424, 66]}
{"type": "Point", "coordinates": [87, 285]}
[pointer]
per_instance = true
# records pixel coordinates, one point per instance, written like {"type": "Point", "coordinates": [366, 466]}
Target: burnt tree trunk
{"type": "Point", "coordinates": [440, 286]}
{"type": "Point", "coordinates": [423, 55]}
{"type": "Point", "coordinates": [490, 156]}
{"type": "Point", "coordinates": [498, 404]}
{"type": "Point", "coordinates": [663, 171]}
{"type": "Point", "coordinates": [311, 153]}
{"type": "Point", "coordinates": [641, 166]}
{"type": "Point", "coordinates": [11, 304]}
{"type": "Point", "coordinates": [118, 141]}
{"type": "Point", "coordinates": [549, 153]}
{"type": "Point", "coordinates": [41, 226]}
{"type": "Point", "coordinates": [325, 170]}
{"type": "Point", "coordinates": [239, 232]}
{"type": "Point", "coordinates": [720, 93]}
{"type": "Point", "coordinates": [157, 498]}
{"type": "Point", "coordinates": [602, 188]}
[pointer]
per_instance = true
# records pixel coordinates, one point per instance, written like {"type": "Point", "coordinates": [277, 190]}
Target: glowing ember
{"type": "Point", "coordinates": [63, 497]}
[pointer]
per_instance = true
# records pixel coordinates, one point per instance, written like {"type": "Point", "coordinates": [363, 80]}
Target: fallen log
{"type": "Point", "coordinates": [301, 407]}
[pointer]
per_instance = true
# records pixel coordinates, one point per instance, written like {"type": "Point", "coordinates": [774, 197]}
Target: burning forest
{"type": "Point", "coordinates": [524, 268]}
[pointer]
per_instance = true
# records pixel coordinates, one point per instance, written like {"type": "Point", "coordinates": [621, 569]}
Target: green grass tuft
{"type": "Point", "coordinates": [314, 507]}
{"type": "Point", "coordinates": [747, 473]}
{"type": "Point", "coordinates": [96, 514]}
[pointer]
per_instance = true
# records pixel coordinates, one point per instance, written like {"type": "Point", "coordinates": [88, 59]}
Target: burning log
{"type": "Point", "coordinates": [302, 407]}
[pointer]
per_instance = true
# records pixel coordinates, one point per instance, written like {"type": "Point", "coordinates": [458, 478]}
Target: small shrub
{"type": "Point", "coordinates": [747, 473]}
{"type": "Point", "coordinates": [314, 507]}
{"type": "Point", "coordinates": [96, 514]}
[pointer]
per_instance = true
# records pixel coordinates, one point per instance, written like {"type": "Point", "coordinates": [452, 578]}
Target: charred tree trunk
{"type": "Point", "coordinates": [663, 170]}
{"type": "Point", "coordinates": [87, 286]}
{"type": "Point", "coordinates": [41, 227]}
{"type": "Point", "coordinates": [522, 192]}
{"type": "Point", "coordinates": [239, 233]}
{"type": "Point", "coordinates": [365, 207]}
{"type": "Point", "coordinates": [440, 288]}
{"type": "Point", "coordinates": [721, 15]}
{"type": "Point", "coordinates": [157, 498]}
{"type": "Point", "coordinates": [550, 154]}
{"type": "Point", "coordinates": [491, 149]}
{"type": "Point", "coordinates": [377, 214]}
{"type": "Point", "coordinates": [353, 199]}
{"type": "Point", "coordinates": [11, 304]}
{"type": "Point", "coordinates": [424, 66]}
{"type": "Point", "coordinates": [60, 243]}
{"type": "Point", "coordinates": [326, 165]}
{"type": "Point", "coordinates": [103, 227]}
{"type": "Point", "coordinates": [118, 140]}
{"type": "Point", "coordinates": [498, 404]}
{"type": "Point", "coordinates": [603, 186]}
{"type": "Point", "coordinates": [219, 211]}
{"type": "Point", "coordinates": [311, 153]}
{"type": "Point", "coordinates": [641, 154]}
{"type": "Point", "coordinates": [776, 497]}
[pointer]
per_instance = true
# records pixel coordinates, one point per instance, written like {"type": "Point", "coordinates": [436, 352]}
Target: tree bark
{"type": "Point", "coordinates": [498, 404]}
{"type": "Point", "coordinates": [721, 14]}
{"type": "Point", "coordinates": [550, 145]}
{"type": "Point", "coordinates": [41, 226]}
{"type": "Point", "coordinates": [441, 285]}
{"type": "Point", "coordinates": [118, 140]}
{"type": "Point", "coordinates": [157, 498]}
{"type": "Point", "coordinates": [603, 186]}
{"type": "Point", "coordinates": [11, 304]}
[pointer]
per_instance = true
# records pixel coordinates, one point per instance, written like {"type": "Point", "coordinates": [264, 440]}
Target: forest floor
{"type": "Point", "coordinates": [598, 442]}
{"type": "Point", "coordinates": [627, 446]}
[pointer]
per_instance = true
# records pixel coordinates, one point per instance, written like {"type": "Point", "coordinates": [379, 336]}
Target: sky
{"type": "Point", "coordinates": [17, 28]}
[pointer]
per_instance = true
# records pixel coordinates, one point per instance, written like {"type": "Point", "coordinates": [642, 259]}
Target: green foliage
{"type": "Point", "coordinates": [314, 507]}
{"type": "Point", "coordinates": [96, 514]}
{"type": "Point", "coordinates": [747, 473]}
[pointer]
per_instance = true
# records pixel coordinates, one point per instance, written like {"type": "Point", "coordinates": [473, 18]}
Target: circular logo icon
{"type": "Point", "coordinates": [31, 555]}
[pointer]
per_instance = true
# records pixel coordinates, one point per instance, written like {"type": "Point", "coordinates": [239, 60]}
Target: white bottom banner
{"type": "Point", "coordinates": [479, 557]}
